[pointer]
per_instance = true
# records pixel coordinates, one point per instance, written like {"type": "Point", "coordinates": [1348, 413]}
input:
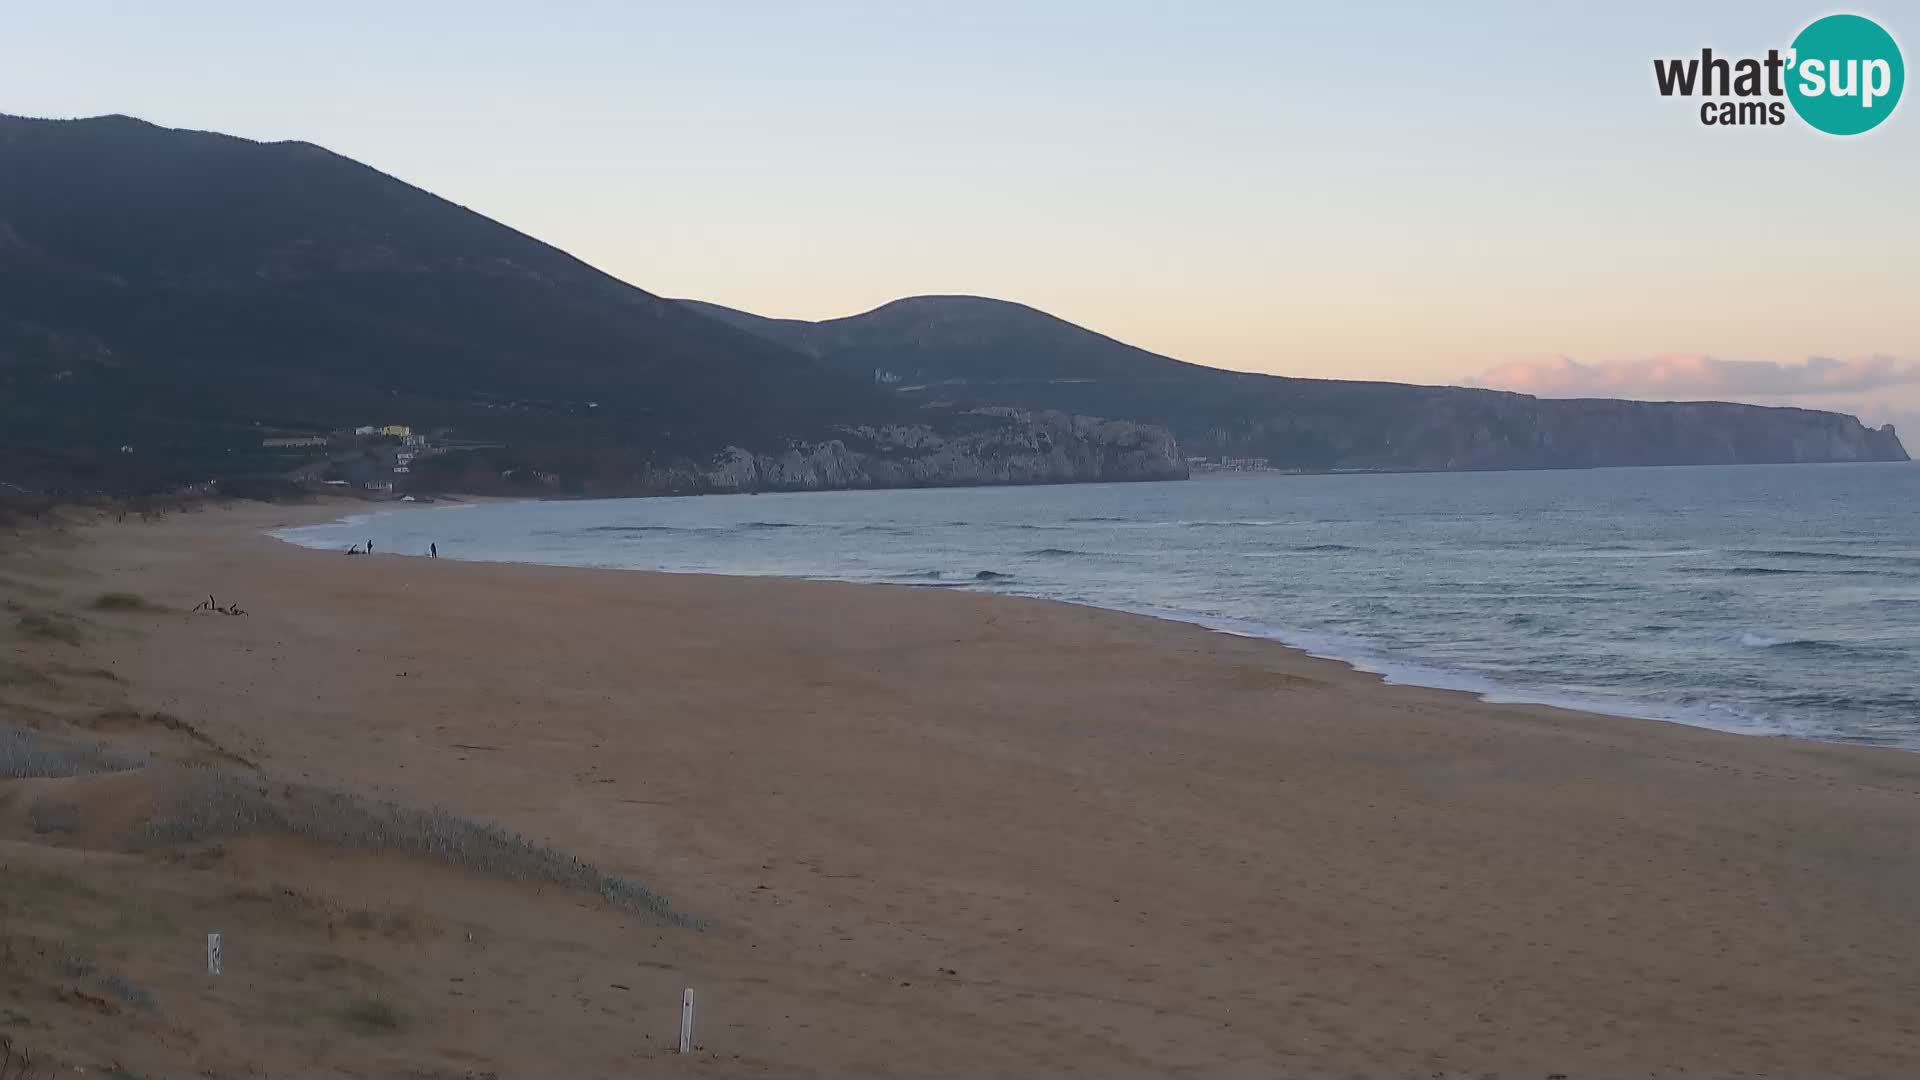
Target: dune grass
{"type": "Point", "coordinates": [122, 715]}
{"type": "Point", "coordinates": [46, 626]}
{"type": "Point", "coordinates": [53, 816]}
{"type": "Point", "coordinates": [218, 803]}
{"type": "Point", "coordinates": [374, 1012]}
{"type": "Point", "coordinates": [20, 675]}
{"type": "Point", "coordinates": [123, 601]}
{"type": "Point", "coordinates": [27, 755]}
{"type": "Point", "coordinates": [73, 671]}
{"type": "Point", "coordinates": [28, 588]}
{"type": "Point", "coordinates": [126, 990]}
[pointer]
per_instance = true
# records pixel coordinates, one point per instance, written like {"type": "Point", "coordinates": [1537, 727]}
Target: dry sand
{"type": "Point", "coordinates": [926, 833]}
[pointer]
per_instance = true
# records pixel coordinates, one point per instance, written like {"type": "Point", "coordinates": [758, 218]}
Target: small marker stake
{"type": "Point", "coordinates": [686, 1022]}
{"type": "Point", "coordinates": [213, 954]}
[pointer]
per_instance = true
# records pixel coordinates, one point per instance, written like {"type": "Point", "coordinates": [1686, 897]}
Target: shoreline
{"type": "Point", "coordinates": [1359, 658]}
{"type": "Point", "coordinates": [927, 832]}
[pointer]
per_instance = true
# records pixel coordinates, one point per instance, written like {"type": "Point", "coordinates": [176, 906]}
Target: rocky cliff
{"type": "Point", "coordinates": [1481, 429]}
{"type": "Point", "coordinates": [995, 446]}
{"type": "Point", "coordinates": [969, 351]}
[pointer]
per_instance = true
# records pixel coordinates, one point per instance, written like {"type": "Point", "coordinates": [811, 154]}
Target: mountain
{"type": "Point", "coordinates": [935, 339]}
{"type": "Point", "coordinates": [969, 351]}
{"type": "Point", "coordinates": [171, 301]}
{"type": "Point", "coordinates": [168, 298]}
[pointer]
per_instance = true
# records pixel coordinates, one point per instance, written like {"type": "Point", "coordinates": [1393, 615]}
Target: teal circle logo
{"type": "Point", "coordinates": [1845, 75]}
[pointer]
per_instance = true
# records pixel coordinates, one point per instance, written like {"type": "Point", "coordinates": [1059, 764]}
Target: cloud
{"type": "Point", "coordinates": [1877, 389]}
{"type": "Point", "coordinates": [1675, 378]}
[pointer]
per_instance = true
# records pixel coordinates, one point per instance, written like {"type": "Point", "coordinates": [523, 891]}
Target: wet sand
{"type": "Point", "coordinates": [929, 832]}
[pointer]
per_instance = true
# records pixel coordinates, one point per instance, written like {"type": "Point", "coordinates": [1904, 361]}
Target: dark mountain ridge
{"type": "Point", "coordinates": [114, 204]}
{"type": "Point", "coordinates": [179, 292]}
{"type": "Point", "coordinates": [968, 350]}
{"type": "Point", "coordinates": [973, 338]}
{"type": "Point", "coordinates": [171, 300]}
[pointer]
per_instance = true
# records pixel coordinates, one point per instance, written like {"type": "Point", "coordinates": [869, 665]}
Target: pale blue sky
{"type": "Point", "coordinates": [1388, 190]}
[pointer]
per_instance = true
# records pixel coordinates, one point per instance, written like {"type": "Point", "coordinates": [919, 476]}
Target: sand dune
{"type": "Point", "coordinates": [923, 832]}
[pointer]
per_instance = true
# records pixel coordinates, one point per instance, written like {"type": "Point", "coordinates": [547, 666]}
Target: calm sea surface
{"type": "Point", "coordinates": [1766, 599]}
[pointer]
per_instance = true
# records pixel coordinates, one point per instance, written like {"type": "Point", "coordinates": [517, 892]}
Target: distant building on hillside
{"type": "Point", "coordinates": [299, 440]}
{"type": "Point", "coordinates": [366, 429]}
{"type": "Point", "coordinates": [400, 430]}
{"type": "Point", "coordinates": [1229, 464]}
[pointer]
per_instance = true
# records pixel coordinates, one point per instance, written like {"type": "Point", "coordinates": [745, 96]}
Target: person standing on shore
{"type": "Point", "coordinates": [433, 551]}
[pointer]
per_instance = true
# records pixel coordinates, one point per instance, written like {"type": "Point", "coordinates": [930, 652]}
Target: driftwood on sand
{"type": "Point", "coordinates": [208, 605]}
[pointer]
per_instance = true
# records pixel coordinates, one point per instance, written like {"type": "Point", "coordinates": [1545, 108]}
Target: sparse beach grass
{"type": "Point", "coordinates": [123, 601]}
{"type": "Point", "coordinates": [48, 626]}
{"type": "Point", "coordinates": [215, 803]}
{"type": "Point", "coordinates": [28, 755]}
{"type": "Point", "coordinates": [375, 1013]}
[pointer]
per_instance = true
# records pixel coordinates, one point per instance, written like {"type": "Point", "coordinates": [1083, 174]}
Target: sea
{"type": "Point", "coordinates": [1770, 600]}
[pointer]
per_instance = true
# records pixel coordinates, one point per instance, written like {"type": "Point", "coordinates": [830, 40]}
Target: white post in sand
{"type": "Point", "coordinates": [686, 1022]}
{"type": "Point", "coordinates": [213, 954]}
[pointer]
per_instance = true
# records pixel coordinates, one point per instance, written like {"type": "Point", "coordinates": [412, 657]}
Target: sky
{"type": "Point", "coordinates": [1489, 193]}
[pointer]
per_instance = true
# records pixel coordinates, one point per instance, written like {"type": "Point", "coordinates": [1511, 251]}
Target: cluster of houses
{"type": "Point", "coordinates": [399, 431]}
{"type": "Point", "coordinates": [374, 467]}
{"type": "Point", "coordinates": [1228, 464]}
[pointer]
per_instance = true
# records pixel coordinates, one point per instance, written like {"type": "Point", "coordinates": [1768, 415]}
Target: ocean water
{"type": "Point", "coordinates": [1779, 600]}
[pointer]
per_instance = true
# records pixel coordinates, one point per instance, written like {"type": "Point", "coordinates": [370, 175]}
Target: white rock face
{"type": "Point", "coordinates": [1010, 446]}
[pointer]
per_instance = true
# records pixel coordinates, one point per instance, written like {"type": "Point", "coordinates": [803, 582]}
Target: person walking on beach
{"type": "Point", "coordinates": [369, 547]}
{"type": "Point", "coordinates": [433, 551]}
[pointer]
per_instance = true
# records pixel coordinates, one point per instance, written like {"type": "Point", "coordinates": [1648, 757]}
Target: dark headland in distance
{"type": "Point", "coordinates": [972, 350]}
{"type": "Point", "coordinates": [183, 308]}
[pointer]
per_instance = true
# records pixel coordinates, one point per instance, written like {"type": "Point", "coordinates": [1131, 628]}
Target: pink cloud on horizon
{"type": "Point", "coordinates": [1697, 377]}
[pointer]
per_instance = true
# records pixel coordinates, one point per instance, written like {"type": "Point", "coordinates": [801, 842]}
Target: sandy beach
{"type": "Point", "coordinates": [922, 832]}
